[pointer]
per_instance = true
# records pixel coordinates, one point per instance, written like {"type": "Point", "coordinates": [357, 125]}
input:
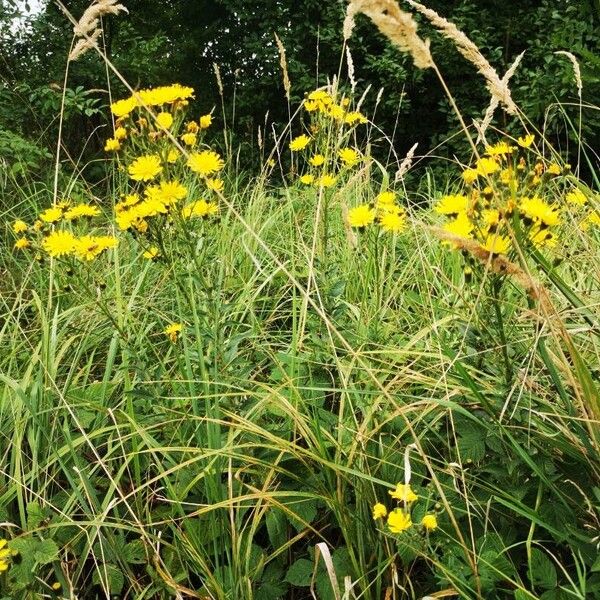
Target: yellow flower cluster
{"type": "Point", "coordinates": [325, 164]}
{"type": "Point", "coordinates": [502, 185]}
{"type": "Point", "coordinates": [63, 242]}
{"type": "Point", "coordinates": [5, 556]}
{"type": "Point", "coordinates": [399, 519]}
{"type": "Point", "coordinates": [385, 211]}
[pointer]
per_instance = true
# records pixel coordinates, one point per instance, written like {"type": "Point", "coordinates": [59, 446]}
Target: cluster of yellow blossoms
{"type": "Point", "coordinates": [502, 186]}
{"type": "Point", "coordinates": [5, 556]}
{"type": "Point", "coordinates": [385, 211]}
{"type": "Point", "coordinates": [157, 191]}
{"type": "Point", "coordinates": [399, 519]}
{"type": "Point", "coordinates": [52, 232]}
{"type": "Point", "coordinates": [325, 164]}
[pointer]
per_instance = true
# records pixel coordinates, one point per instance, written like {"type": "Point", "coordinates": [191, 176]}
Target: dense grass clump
{"type": "Point", "coordinates": [307, 382]}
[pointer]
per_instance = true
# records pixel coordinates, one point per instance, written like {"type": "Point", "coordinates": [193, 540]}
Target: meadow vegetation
{"type": "Point", "coordinates": [328, 378]}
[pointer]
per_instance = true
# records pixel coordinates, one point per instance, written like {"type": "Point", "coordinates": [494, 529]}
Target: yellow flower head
{"type": "Point", "coordinates": [349, 156]}
{"type": "Point", "coordinates": [361, 216]}
{"type": "Point", "coordinates": [398, 521]}
{"type": "Point", "coordinates": [526, 140]}
{"type": "Point", "coordinates": [429, 522]}
{"type": "Point", "coordinates": [205, 121]}
{"type": "Point", "coordinates": [189, 139]}
{"type": "Point", "coordinates": [392, 222]}
{"type": "Point", "coordinates": [299, 143]}
{"type": "Point", "coordinates": [59, 243]}
{"type": "Point", "coordinates": [122, 108]}
{"type": "Point", "coordinates": [499, 149]}
{"type": "Point", "coordinates": [317, 160]}
{"type": "Point", "coordinates": [52, 215]}
{"type": "Point", "coordinates": [461, 226]}
{"type": "Point", "coordinates": [145, 168]}
{"type": "Point", "coordinates": [403, 493]}
{"type": "Point", "coordinates": [487, 166]}
{"type": "Point", "coordinates": [307, 179]}
{"type": "Point", "coordinates": [326, 180]}
{"type": "Point", "coordinates": [542, 237]}
{"type": "Point", "coordinates": [81, 210]}
{"type": "Point", "coordinates": [152, 253]}
{"type": "Point", "coordinates": [112, 145]}
{"type": "Point", "coordinates": [352, 118]}
{"type": "Point", "coordinates": [470, 176]}
{"type": "Point", "coordinates": [452, 204]}
{"type": "Point", "coordinates": [385, 199]}
{"type": "Point", "coordinates": [539, 211]}
{"type": "Point", "coordinates": [172, 331]}
{"type": "Point", "coordinates": [554, 169]}
{"type": "Point", "coordinates": [120, 133]}
{"type": "Point", "coordinates": [379, 511]}
{"type": "Point", "coordinates": [22, 243]}
{"type": "Point", "coordinates": [199, 208]}
{"type": "Point", "coordinates": [214, 184]}
{"type": "Point", "coordinates": [19, 226]}
{"type": "Point", "coordinates": [496, 244]}
{"type": "Point", "coordinates": [88, 247]}
{"type": "Point", "coordinates": [205, 162]}
{"type": "Point", "coordinates": [164, 120]}
{"type": "Point", "coordinates": [172, 156]}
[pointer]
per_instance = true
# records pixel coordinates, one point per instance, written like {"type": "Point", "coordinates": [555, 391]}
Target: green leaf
{"type": "Point", "coordinates": [306, 511]}
{"type": "Point", "coordinates": [45, 552]}
{"type": "Point", "coordinates": [135, 552]}
{"type": "Point", "coordinates": [542, 571]}
{"type": "Point", "coordinates": [111, 576]}
{"type": "Point", "coordinates": [35, 515]}
{"type": "Point", "coordinates": [300, 573]}
{"type": "Point", "coordinates": [276, 528]}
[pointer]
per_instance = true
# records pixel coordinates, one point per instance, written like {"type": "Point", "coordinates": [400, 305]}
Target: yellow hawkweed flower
{"type": "Point", "coordinates": [349, 156]}
{"type": "Point", "coordinates": [326, 180]}
{"type": "Point", "coordinates": [539, 211]}
{"type": "Point", "coordinates": [452, 204]}
{"type": "Point", "coordinates": [392, 222]}
{"type": "Point", "coordinates": [470, 176]}
{"type": "Point", "coordinates": [429, 522]}
{"type": "Point", "coordinates": [112, 145]}
{"type": "Point", "coordinates": [205, 121]}
{"type": "Point", "coordinates": [385, 199]}
{"type": "Point", "coordinates": [172, 331]}
{"type": "Point", "coordinates": [354, 117]}
{"type": "Point", "coordinates": [199, 208]}
{"type": "Point", "coordinates": [51, 215]}
{"type": "Point", "coordinates": [205, 162]}
{"type": "Point", "coordinates": [526, 141]}
{"type": "Point", "coordinates": [164, 119]}
{"type": "Point", "coordinates": [379, 511]}
{"type": "Point", "coordinates": [172, 156]}
{"type": "Point", "coordinates": [214, 184]}
{"type": "Point", "coordinates": [22, 243]}
{"type": "Point", "coordinates": [398, 521]}
{"type": "Point", "coordinates": [593, 219]}
{"type": "Point", "coordinates": [310, 105]}
{"type": "Point", "coordinates": [461, 226]}
{"type": "Point", "coordinates": [189, 139]}
{"type": "Point", "coordinates": [152, 253]}
{"type": "Point", "coordinates": [59, 243]}
{"type": "Point", "coordinates": [120, 133]}
{"type": "Point", "coordinates": [122, 108]}
{"type": "Point", "coordinates": [487, 166]}
{"type": "Point", "coordinates": [89, 247]}
{"type": "Point", "coordinates": [192, 127]}
{"type": "Point", "coordinates": [554, 169]}
{"type": "Point", "coordinates": [145, 168]}
{"type": "Point", "coordinates": [541, 237]}
{"type": "Point", "coordinates": [307, 179]}
{"type": "Point", "coordinates": [500, 149]}
{"type": "Point", "coordinates": [496, 244]}
{"type": "Point", "coordinates": [317, 160]}
{"type": "Point", "coordinates": [5, 554]}
{"type": "Point", "coordinates": [81, 210]}
{"type": "Point", "coordinates": [403, 493]}
{"type": "Point", "coordinates": [299, 143]}
{"type": "Point", "coordinates": [577, 197]}
{"type": "Point", "coordinates": [361, 216]}
{"type": "Point", "coordinates": [19, 226]}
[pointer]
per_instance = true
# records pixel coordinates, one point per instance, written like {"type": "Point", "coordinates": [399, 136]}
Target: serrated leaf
{"type": "Point", "coordinates": [135, 552]}
{"type": "Point", "coordinates": [300, 573]}
{"type": "Point", "coordinates": [45, 552]}
{"type": "Point", "coordinates": [306, 511]}
{"type": "Point", "coordinates": [111, 576]}
{"type": "Point", "coordinates": [35, 515]}
{"type": "Point", "coordinates": [542, 571]}
{"type": "Point", "coordinates": [276, 528]}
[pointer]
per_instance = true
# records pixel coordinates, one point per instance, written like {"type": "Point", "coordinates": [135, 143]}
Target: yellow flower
{"type": "Point", "coordinates": [170, 192]}
{"type": "Point", "coordinates": [392, 222]}
{"type": "Point", "coordinates": [326, 180]}
{"type": "Point", "coordinates": [299, 143]}
{"type": "Point", "coordinates": [152, 253]}
{"type": "Point", "coordinates": [311, 105]}
{"type": "Point", "coordinates": [361, 216]}
{"type": "Point", "coordinates": [592, 219]}
{"type": "Point", "coordinates": [539, 211]}
{"type": "Point", "coordinates": [164, 119]}
{"type": "Point", "coordinates": [19, 226]}
{"type": "Point", "coordinates": [120, 133]}
{"type": "Point", "coordinates": [88, 247]}
{"type": "Point", "coordinates": [398, 521]}
{"type": "Point", "coordinates": [205, 121]}
{"type": "Point", "coordinates": [487, 166]}
{"type": "Point", "coordinates": [526, 141]}
{"type": "Point", "coordinates": [192, 127]}
{"type": "Point", "coordinates": [52, 215]}
{"type": "Point", "coordinates": [403, 493]}
{"type": "Point", "coordinates": [172, 331]}
{"type": "Point", "coordinates": [554, 169]}
{"type": "Point", "coordinates": [212, 209]}
{"type": "Point", "coordinates": [491, 217]}
{"type": "Point", "coordinates": [507, 176]}
{"type": "Point", "coordinates": [199, 208]}
{"type": "Point", "coordinates": [470, 176]}
{"type": "Point", "coordinates": [22, 243]}
{"type": "Point", "coordinates": [499, 149]}
{"type": "Point", "coordinates": [354, 117]}
{"type": "Point", "coordinates": [122, 108]}
{"type": "Point", "coordinates": [452, 204]}
{"type": "Point", "coordinates": [317, 160]}
{"type": "Point", "coordinates": [214, 184]}
{"type": "Point", "coordinates": [496, 244]}
{"type": "Point", "coordinates": [307, 179]}
{"type": "Point", "coordinates": [166, 94]}
{"type": "Point", "coordinates": [81, 210]}
{"type": "Point", "coordinates": [205, 162]}
{"type": "Point", "coordinates": [172, 156]}
{"type": "Point", "coordinates": [577, 197]}
{"type": "Point", "coordinates": [385, 199]}
{"type": "Point", "coordinates": [112, 145]}
{"type": "Point", "coordinates": [349, 156]}
{"type": "Point", "coordinates": [5, 554]}
{"type": "Point", "coordinates": [379, 511]}
{"type": "Point", "coordinates": [461, 226]}
{"type": "Point", "coordinates": [542, 237]}
{"type": "Point", "coordinates": [37, 225]}
{"type": "Point", "coordinates": [59, 243]}
{"type": "Point", "coordinates": [189, 139]}
{"type": "Point", "coordinates": [145, 168]}
{"type": "Point", "coordinates": [429, 522]}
